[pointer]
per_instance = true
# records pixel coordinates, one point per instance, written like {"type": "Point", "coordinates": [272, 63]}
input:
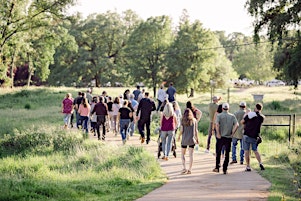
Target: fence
{"type": "Point", "coordinates": [291, 124]}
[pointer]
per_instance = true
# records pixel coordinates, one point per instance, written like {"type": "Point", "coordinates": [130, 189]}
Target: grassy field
{"type": "Point", "coordinates": [39, 161]}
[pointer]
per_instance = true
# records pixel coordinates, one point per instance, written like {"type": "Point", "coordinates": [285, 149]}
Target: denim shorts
{"type": "Point", "coordinates": [249, 141]}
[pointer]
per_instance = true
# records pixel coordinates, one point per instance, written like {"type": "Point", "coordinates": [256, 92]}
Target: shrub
{"type": "Point", "coordinates": [27, 106]}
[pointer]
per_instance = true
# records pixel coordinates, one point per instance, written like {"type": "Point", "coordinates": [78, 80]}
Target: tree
{"type": "Point", "coordinates": [280, 18]}
{"type": "Point", "coordinates": [254, 61]}
{"type": "Point", "coordinates": [21, 17]}
{"type": "Point", "coordinates": [277, 17]}
{"type": "Point", "coordinates": [195, 57]}
{"type": "Point", "coordinates": [146, 50]}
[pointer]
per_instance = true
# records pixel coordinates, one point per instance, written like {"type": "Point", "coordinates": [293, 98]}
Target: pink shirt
{"type": "Point", "coordinates": [84, 111]}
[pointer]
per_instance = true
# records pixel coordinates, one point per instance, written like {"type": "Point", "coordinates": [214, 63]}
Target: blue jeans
{"type": "Point", "coordinates": [124, 123]}
{"type": "Point", "coordinates": [234, 144]}
{"type": "Point", "coordinates": [84, 120]}
{"type": "Point", "coordinates": [132, 128]}
{"type": "Point", "coordinates": [166, 137]}
{"type": "Point", "coordinates": [67, 118]}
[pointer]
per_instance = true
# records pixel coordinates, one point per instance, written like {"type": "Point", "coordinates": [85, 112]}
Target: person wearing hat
{"type": "Point", "coordinates": [239, 133]}
{"type": "Point", "coordinates": [226, 125]}
{"type": "Point", "coordinates": [212, 108]}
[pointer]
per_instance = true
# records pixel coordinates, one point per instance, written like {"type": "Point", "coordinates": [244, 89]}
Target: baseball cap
{"type": "Point", "coordinates": [215, 98]}
{"type": "Point", "coordinates": [225, 106]}
{"type": "Point", "coordinates": [243, 104]}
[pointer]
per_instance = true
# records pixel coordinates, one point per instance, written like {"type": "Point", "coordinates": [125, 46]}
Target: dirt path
{"type": "Point", "coordinates": [202, 184]}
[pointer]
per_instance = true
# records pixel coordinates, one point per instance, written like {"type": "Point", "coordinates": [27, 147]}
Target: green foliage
{"type": "Point", "coordinates": [39, 141]}
{"type": "Point", "coordinates": [95, 172]}
{"type": "Point", "coordinates": [274, 105]}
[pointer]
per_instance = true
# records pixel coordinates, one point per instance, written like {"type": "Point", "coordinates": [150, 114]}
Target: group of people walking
{"type": "Point", "coordinates": [122, 113]}
{"type": "Point", "coordinates": [243, 126]}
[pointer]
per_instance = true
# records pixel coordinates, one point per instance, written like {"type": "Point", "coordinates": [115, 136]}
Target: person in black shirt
{"type": "Point", "coordinates": [101, 110]}
{"type": "Point", "coordinates": [252, 122]}
{"type": "Point", "coordinates": [124, 116]}
{"type": "Point", "coordinates": [144, 111]}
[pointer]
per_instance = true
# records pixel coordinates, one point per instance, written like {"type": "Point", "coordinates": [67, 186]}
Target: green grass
{"type": "Point", "coordinates": [40, 161]}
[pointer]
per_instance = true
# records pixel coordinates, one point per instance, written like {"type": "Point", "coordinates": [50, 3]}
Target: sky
{"type": "Point", "coordinates": [217, 15]}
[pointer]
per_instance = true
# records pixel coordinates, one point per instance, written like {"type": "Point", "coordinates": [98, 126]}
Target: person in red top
{"type": "Point", "coordinates": [168, 127]}
{"type": "Point", "coordinates": [67, 109]}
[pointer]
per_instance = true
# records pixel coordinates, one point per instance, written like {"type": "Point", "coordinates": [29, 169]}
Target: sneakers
{"type": "Point", "coordinates": [142, 140]}
{"type": "Point", "coordinates": [248, 169]}
{"type": "Point", "coordinates": [232, 162]}
{"type": "Point", "coordinates": [207, 151]}
{"type": "Point", "coordinates": [241, 162]}
{"type": "Point", "coordinates": [225, 171]}
{"type": "Point", "coordinates": [261, 167]}
{"type": "Point", "coordinates": [215, 170]}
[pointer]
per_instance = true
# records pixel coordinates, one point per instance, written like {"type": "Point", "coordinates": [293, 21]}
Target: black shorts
{"type": "Point", "coordinates": [185, 146]}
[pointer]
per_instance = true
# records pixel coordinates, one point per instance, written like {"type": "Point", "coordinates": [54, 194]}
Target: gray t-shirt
{"type": "Point", "coordinates": [188, 133]}
{"type": "Point", "coordinates": [226, 122]}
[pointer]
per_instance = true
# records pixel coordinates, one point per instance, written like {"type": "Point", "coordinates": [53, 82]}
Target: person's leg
{"type": "Point", "coordinates": [71, 119]}
{"type": "Point", "coordinates": [132, 127]}
{"type": "Point", "coordinates": [170, 135]}
{"type": "Point", "coordinates": [246, 146]}
{"type": "Point", "coordinates": [159, 105]}
{"type": "Point", "coordinates": [163, 140]}
{"type": "Point", "coordinates": [141, 130]}
{"type": "Point", "coordinates": [219, 146]}
{"type": "Point", "coordinates": [147, 124]}
{"type": "Point", "coordinates": [241, 152]}
{"type": "Point", "coordinates": [97, 129]}
{"type": "Point", "coordinates": [190, 149]}
{"type": "Point", "coordinates": [85, 121]}
{"type": "Point", "coordinates": [227, 144]}
{"type": "Point", "coordinates": [122, 129]}
{"type": "Point", "coordinates": [103, 130]}
{"type": "Point", "coordinates": [183, 151]}
{"type": "Point", "coordinates": [209, 136]}
{"type": "Point", "coordinates": [234, 144]}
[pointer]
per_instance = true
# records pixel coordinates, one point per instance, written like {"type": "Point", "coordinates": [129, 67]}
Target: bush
{"type": "Point", "coordinates": [33, 141]}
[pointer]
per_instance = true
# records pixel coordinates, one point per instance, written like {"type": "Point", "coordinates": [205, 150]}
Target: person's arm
{"type": "Point", "coordinates": [198, 115]}
{"type": "Point", "coordinates": [234, 129]}
{"type": "Point", "coordinates": [196, 132]}
{"type": "Point", "coordinates": [218, 135]}
{"type": "Point", "coordinates": [180, 134]}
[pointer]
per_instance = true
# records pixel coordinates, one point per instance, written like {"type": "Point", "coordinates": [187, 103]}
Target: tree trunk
{"type": "Point", "coordinates": [191, 93]}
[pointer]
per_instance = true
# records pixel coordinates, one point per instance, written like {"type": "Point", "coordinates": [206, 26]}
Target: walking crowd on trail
{"type": "Point", "coordinates": [121, 115]}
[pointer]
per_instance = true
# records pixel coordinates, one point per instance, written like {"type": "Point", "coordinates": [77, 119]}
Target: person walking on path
{"type": "Point", "coordinates": [76, 102]}
{"type": "Point", "coordinates": [101, 110]}
{"type": "Point", "coordinates": [137, 92]}
{"type": "Point", "coordinates": [84, 112]}
{"type": "Point", "coordinates": [196, 112]}
{"type": "Point", "coordinates": [171, 92]}
{"type": "Point", "coordinates": [143, 115]}
{"type": "Point", "coordinates": [124, 116]}
{"type": "Point", "coordinates": [252, 122]}
{"type": "Point", "coordinates": [134, 104]}
{"type": "Point", "coordinates": [115, 108]}
{"type": "Point", "coordinates": [168, 123]}
{"type": "Point", "coordinates": [189, 133]}
{"type": "Point", "coordinates": [212, 108]}
{"type": "Point", "coordinates": [226, 126]}
{"type": "Point", "coordinates": [161, 97]}
{"type": "Point", "coordinates": [238, 134]}
{"type": "Point", "coordinates": [67, 109]}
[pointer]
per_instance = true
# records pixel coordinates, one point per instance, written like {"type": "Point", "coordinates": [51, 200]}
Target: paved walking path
{"type": "Point", "coordinates": [202, 184]}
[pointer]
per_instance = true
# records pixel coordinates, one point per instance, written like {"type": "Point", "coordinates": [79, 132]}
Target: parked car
{"type": "Point", "coordinates": [274, 83]}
